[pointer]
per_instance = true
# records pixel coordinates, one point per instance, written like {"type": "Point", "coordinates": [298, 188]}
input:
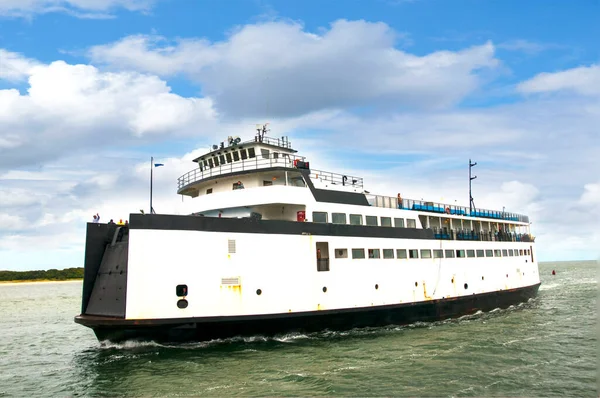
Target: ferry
{"type": "Point", "coordinates": [275, 246]}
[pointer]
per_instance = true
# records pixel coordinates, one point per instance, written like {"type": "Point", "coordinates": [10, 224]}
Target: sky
{"type": "Point", "coordinates": [400, 92]}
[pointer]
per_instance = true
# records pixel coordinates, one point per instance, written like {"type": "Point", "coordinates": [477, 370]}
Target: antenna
{"type": "Point", "coordinates": [471, 202]}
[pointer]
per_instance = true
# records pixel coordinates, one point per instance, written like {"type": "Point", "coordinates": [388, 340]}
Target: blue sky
{"type": "Point", "coordinates": [409, 90]}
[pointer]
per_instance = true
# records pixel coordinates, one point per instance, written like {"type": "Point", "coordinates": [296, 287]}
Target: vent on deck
{"type": "Point", "coordinates": [230, 281]}
{"type": "Point", "coordinates": [231, 246]}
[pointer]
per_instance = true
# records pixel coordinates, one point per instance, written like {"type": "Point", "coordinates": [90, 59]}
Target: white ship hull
{"type": "Point", "coordinates": [265, 282]}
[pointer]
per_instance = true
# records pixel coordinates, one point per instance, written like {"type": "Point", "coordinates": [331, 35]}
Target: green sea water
{"type": "Point", "coordinates": [546, 347]}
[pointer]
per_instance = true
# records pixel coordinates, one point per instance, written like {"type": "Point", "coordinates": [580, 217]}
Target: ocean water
{"type": "Point", "coordinates": [546, 347]}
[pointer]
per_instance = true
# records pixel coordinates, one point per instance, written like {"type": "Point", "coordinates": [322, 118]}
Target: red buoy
{"type": "Point", "coordinates": [553, 272]}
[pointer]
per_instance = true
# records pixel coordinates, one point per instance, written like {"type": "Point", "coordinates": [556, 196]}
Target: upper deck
{"type": "Point", "coordinates": [266, 153]}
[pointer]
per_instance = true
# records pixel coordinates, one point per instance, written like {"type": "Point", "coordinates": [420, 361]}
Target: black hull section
{"type": "Point", "coordinates": [202, 329]}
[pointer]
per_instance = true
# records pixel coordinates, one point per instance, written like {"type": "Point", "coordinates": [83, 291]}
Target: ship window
{"type": "Point", "coordinates": [479, 253]}
{"type": "Point", "coordinates": [338, 218]}
{"type": "Point", "coordinates": [510, 252]}
{"type": "Point", "coordinates": [238, 185]}
{"type": "Point", "coordinates": [399, 222]}
{"type": "Point", "coordinates": [520, 252]}
{"type": "Point", "coordinates": [449, 253]}
{"type": "Point", "coordinates": [205, 164]}
{"type": "Point", "coordinates": [210, 163]}
{"type": "Point", "coordinates": [275, 155]}
{"type": "Point", "coordinates": [267, 183]}
{"type": "Point", "coordinates": [209, 191]}
{"type": "Point", "coordinates": [411, 223]}
{"type": "Point", "coordinates": [355, 219]}
{"type": "Point", "coordinates": [236, 156]}
{"type": "Point", "coordinates": [297, 182]}
{"type": "Point", "coordinates": [460, 253]}
{"type": "Point", "coordinates": [401, 253]}
{"type": "Point", "coordinates": [489, 253]}
{"type": "Point", "coordinates": [222, 159]}
{"type": "Point", "coordinates": [341, 253]}
{"type": "Point", "coordinates": [228, 156]}
{"type": "Point", "coordinates": [251, 153]}
{"type": "Point", "coordinates": [243, 154]}
{"type": "Point", "coordinates": [388, 253]}
{"type": "Point", "coordinates": [497, 253]}
{"type": "Point", "coordinates": [358, 253]}
{"type": "Point", "coordinates": [264, 153]}
{"type": "Point", "coordinates": [319, 216]}
{"type": "Point", "coordinates": [374, 253]}
{"type": "Point", "coordinates": [371, 220]}
{"type": "Point", "coordinates": [216, 160]}
{"type": "Point", "coordinates": [425, 253]}
{"type": "Point", "coordinates": [471, 253]}
{"type": "Point", "coordinates": [386, 222]}
{"type": "Point", "coordinates": [413, 253]}
{"type": "Point", "coordinates": [504, 252]}
{"type": "Point", "coordinates": [438, 254]}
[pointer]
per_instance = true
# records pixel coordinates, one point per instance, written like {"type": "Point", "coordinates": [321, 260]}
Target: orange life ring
{"type": "Point", "coordinates": [447, 210]}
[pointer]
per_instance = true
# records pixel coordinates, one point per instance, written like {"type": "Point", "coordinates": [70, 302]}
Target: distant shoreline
{"type": "Point", "coordinates": [30, 281]}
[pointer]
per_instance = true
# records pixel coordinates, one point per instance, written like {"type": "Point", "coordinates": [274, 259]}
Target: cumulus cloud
{"type": "Point", "coordinates": [15, 67]}
{"type": "Point", "coordinates": [69, 108]}
{"type": "Point", "coordinates": [75, 142]}
{"type": "Point", "coordinates": [280, 69]}
{"type": "Point", "coordinates": [78, 8]}
{"type": "Point", "coordinates": [584, 80]}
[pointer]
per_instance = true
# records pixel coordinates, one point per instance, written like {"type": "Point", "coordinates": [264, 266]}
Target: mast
{"type": "Point", "coordinates": [471, 202]}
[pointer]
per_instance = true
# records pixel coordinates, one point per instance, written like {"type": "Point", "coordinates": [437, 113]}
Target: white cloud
{"type": "Point", "coordinates": [584, 80]}
{"type": "Point", "coordinates": [71, 145]}
{"type": "Point", "coordinates": [71, 108]}
{"type": "Point", "coordinates": [15, 67]}
{"type": "Point", "coordinates": [78, 8]}
{"type": "Point", "coordinates": [279, 69]}
{"type": "Point", "coordinates": [527, 46]}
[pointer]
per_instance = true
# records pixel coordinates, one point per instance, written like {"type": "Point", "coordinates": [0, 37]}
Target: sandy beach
{"type": "Point", "coordinates": [30, 282]}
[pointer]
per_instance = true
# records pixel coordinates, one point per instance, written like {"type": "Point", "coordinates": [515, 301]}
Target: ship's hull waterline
{"type": "Point", "coordinates": [203, 329]}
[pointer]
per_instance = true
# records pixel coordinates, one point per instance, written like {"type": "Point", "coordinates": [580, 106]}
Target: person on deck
{"type": "Point", "coordinates": [111, 221]}
{"type": "Point", "coordinates": [121, 222]}
{"type": "Point", "coordinates": [96, 218]}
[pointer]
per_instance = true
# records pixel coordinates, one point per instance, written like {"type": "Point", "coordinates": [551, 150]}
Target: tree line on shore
{"type": "Point", "coordinates": [51, 274]}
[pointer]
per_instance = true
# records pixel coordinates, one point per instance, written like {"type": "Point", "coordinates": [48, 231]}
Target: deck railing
{"type": "Point", "coordinates": [484, 236]}
{"type": "Point", "coordinates": [443, 208]}
{"type": "Point", "coordinates": [258, 162]}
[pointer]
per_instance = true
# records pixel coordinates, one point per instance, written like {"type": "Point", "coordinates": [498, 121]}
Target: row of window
{"type": "Point", "coordinates": [428, 253]}
{"type": "Point", "coordinates": [234, 156]}
{"type": "Point", "coordinates": [357, 219]}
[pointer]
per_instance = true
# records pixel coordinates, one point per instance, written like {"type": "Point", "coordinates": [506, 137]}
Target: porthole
{"type": "Point", "coordinates": [466, 286]}
{"type": "Point", "coordinates": [181, 290]}
{"type": "Point", "coordinates": [183, 303]}
{"type": "Point", "coordinates": [376, 286]}
{"type": "Point", "coordinates": [258, 292]}
{"type": "Point", "coordinates": [482, 278]}
{"type": "Point", "coordinates": [452, 280]}
{"type": "Point", "coordinates": [324, 289]}
{"type": "Point", "coordinates": [416, 284]}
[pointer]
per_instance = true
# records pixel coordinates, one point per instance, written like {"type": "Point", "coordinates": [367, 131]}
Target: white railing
{"type": "Point", "coordinates": [256, 163]}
